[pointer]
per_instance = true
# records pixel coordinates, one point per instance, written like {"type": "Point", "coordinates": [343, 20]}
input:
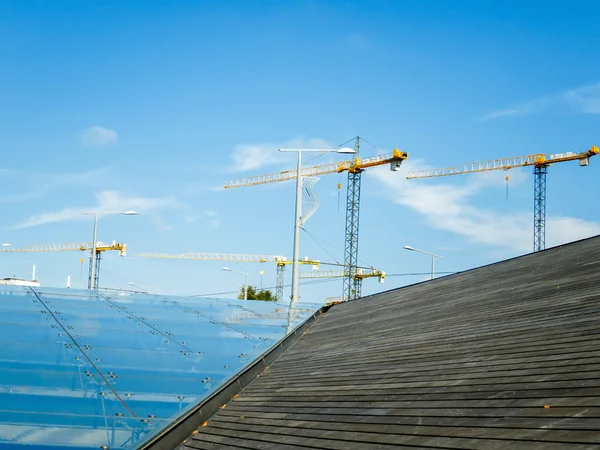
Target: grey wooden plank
{"type": "Point", "coordinates": [275, 438]}
{"type": "Point", "coordinates": [418, 353]}
{"type": "Point", "coordinates": [570, 330]}
{"type": "Point", "coordinates": [325, 372]}
{"type": "Point", "coordinates": [382, 402]}
{"type": "Point", "coordinates": [456, 386]}
{"type": "Point", "coordinates": [225, 441]}
{"type": "Point", "coordinates": [361, 440]}
{"type": "Point", "coordinates": [567, 423]}
{"type": "Point", "coordinates": [427, 361]}
{"type": "Point", "coordinates": [437, 412]}
{"type": "Point", "coordinates": [208, 443]}
{"type": "Point", "coordinates": [376, 396]}
{"type": "Point", "coordinates": [367, 429]}
{"type": "Point", "coordinates": [345, 379]}
{"type": "Point", "coordinates": [431, 375]}
{"type": "Point", "coordinates": [565, 402]}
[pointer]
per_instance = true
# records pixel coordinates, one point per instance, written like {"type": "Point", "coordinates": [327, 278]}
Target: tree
{"type": "Point", "coordinates": [255, 294]}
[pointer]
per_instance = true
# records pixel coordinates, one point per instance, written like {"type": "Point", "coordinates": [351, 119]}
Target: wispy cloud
{"type": "Point", "coordinates": [161, 225]}
{"type": "Point", "coordinates": [358, 41]}
{"type": "Point", "coordinates": [42, 183]}
{"type": "Point", "coordinates": [248, 157]}
{"type": "Point", "coordinates": [99, 137]}
{"type": "Point", "coordinates": [190, 218]}
{"type": "Point", "coordinates": [584, 99]}
{"type": "Point", "coordinates": [450, 207]}
{"type": "Point", "coordinates": [107, 201]}
{"type": "Point", "coordinates": [212, 219]}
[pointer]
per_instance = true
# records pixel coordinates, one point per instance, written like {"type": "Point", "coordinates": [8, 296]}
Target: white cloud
{"type": "Point", "coordinates": [450, 207]}
{"type": "Point", "coordinates": [560, 230]}
{"type": "Point", "coordinates": [107, 201]}
{"type": "Point", "coordinates": [209, 219]}
{"type": "Point", "coordinates": [584, 99]}
{"type": "Point", "coordinates": [501, 113]}
{"type": "Point", "coordinates": [188, 218]}
{"type": "Point", "coordinates": [212, 219]}
{"type": "Point", "coordinates": [357, 41]}
{"type": "Point", "coordinates": [99, 137]}
{"type": "Point", "coordinates": [161, 225]}
{"type": "Point", "coordinates": [248, 157]}
{"type": "Point", "coordinates": [28, 185]}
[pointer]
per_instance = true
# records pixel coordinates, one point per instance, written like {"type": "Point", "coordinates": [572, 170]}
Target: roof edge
{"type": "Point", "coordinates": [525, 255]}
{"type": "Point", "coordinates": [183, 428]}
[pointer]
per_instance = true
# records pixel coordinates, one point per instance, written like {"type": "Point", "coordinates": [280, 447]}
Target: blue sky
{"type": "Point", "coordinates": [153, 105]}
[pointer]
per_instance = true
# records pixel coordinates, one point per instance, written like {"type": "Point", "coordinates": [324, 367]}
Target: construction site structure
{"type": "Point", "coordinates": [540, 163]}
{"type": "Point", "coordinates": [101, 247]}
{"type": "Point", "coordinates": [354, 167]}
{"type": "Point", "coordinates": [360, 273]}
{"type": "Point", "coordinates": [280, 261]}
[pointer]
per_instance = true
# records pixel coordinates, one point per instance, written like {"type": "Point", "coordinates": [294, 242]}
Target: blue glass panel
{"type": "Point", "coordinates": [81, 369]}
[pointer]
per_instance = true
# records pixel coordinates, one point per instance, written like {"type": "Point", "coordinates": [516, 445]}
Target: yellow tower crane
{"type": "Point", "coordinates": [354, 167]}
{"type": "Point", "coordinates": [101, 247]}
{"type": "Point", "coordinates": [360, 274]}
{"type": "Point", "coordinates": [280, 261]}
{"type": "Point", "coordinates": [540, 163]}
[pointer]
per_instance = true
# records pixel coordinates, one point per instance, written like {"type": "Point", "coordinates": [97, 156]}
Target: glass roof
{"type": "Point", "coordinates": [87, 370]}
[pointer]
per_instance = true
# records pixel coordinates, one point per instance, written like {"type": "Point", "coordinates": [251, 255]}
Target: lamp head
{"type": "Point", "coordinates": [346, 150]}
{"type": "Point", "coordinates": [408, 247]}
{"type": "Point", "coordinates": [130, 213]}
{"type": "Point", "coordinates": [226, 269]}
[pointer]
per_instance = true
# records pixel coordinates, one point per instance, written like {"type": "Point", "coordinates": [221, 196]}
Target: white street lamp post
{"type": "Point", "coordinates": [298, 216]}
{"type": "Point", "coordinates": [92, 280]}
{"type": "Point", "coordinates": [433, 256]}
{"type": "Point", "coordinates": [227, 269]}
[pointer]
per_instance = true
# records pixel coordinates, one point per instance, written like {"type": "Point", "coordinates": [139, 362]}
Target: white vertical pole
{"type": "Point", "coordinates": [92, 282]}
{"type": "Point", "coordinates": [297, 226]}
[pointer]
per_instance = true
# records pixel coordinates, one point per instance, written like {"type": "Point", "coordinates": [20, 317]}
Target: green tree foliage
{"type": "Point", "coordinates": [256, 294]}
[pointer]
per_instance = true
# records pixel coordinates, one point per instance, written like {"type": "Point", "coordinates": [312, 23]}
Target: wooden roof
{"type": "Point", "coordinates": [504, 356]}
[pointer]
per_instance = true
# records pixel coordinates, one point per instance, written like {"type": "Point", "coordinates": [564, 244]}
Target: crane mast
{"type": "Point", "coordinates": [280, 261]}
{"type": "Point", "coordinates": [352, 286]}
{"type": "Point", "coordinates": [354, 167]}
{"type": "Point", "coordinates": [539, 207]}
{"type": "Point", "coordinates": [540, 163]}
{"type": "Point", "coordinates": [75, 246]}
